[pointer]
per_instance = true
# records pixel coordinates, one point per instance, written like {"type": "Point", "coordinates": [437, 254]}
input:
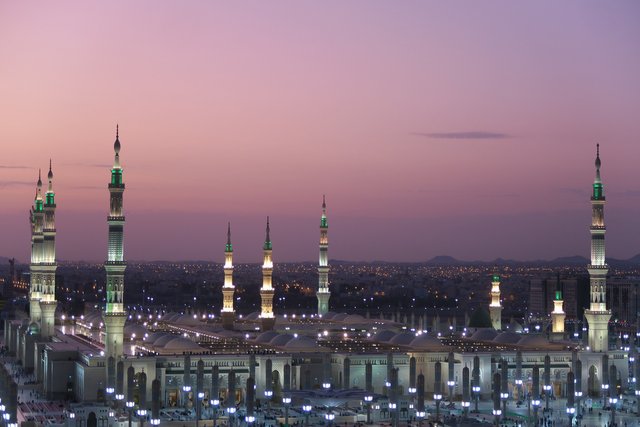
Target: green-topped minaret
{"type": "Point", "coordinates": [114, 314]}
{"type": "Point", "coordinates": [323, 293]}
{"type": "Point", "coordinates": [36, 217]}
{"type": "Point", "coordinates": [49, 265]}
{"type": "Point", "coordinates": [228, 313]}
{"type": "Point", "coordinates": [266, 292]}
{"type": "Point", "coordinates": [597, 315]}
{"type": "Point", "coordinates": [495, 307]}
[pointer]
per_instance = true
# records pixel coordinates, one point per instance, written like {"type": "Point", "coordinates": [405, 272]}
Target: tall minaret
{"type": "Point", "coordinates": [48, 301]}
{"type": "Point", "coordinates": [228, 315]}
{"type": "Point", "coordinates": [495, 308]}
{"type": "Point", "coordinates": [557, 315]}
{"type": "Point", "coordinates": [114, 315]}
{"type": "Point", "coordinates": [37, 242]}
{"type": "Point", "coordinates": [597, 315]}
{"type": "Point", "coordinates": [323, 293]}
{"type": "Point", "coordinates": [266, 292]}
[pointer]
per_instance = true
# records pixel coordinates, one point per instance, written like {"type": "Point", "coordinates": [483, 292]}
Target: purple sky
{"type": "Point", "coordinates": [465, 128]}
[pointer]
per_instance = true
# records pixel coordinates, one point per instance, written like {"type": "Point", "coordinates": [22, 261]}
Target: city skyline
{"type": "Point", "coordinates": [465, 131]}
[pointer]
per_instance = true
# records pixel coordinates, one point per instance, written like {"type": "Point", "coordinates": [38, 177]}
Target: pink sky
{"type": "Point", "coordinates": [239, 110]}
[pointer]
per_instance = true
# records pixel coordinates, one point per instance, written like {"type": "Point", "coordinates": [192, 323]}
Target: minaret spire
{"type": "Point", "coordinates": [48, 301]}
{"type": "Point", "coordinates": [557, 315]}
{"type": "Point", "coordinates": [228, 313]}
{"type": "Point", "coordinates": [36, 215]}
{"type": "Point", "coordinates": [114, 313]}
{"type": "Point", "coordinates": [323, 293]}
{"type": "Point", "coordinates": [266, 292]}
{"type": "Point", "coordinates": [597, 315]}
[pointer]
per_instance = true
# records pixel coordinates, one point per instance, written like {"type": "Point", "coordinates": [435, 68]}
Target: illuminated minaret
{"type": "Point", "coordinates": [114, 315]}
{"type": "Point", "coordinates": [323, 293]}
{"type": "Point", "coordinates": [37, 242]}
{"type": "Point", "coordinates": [266, 292]}
{"type": "Point", "coordinates": [557, 315]}
{"type": "Point", "coordinates": [228, 315]}
{"type": "Point", "coordinates": [48, 301]}
{"type": "Point", "coordinates": [597, 315]}
{"type": "Point", "coordinates": [495, 309]}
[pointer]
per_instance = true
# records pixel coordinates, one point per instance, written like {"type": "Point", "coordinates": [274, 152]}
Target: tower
{"type": "Point", "coordinates": [266, 292]}
{"type": "Point", "coordinates": [49, 266]}
{"type": "Point", "coordinates": [495, 309]}
{"type": "Point", "coordinates": [557, 315]}
{"type": "Point", "coordinates": [228, 314]}
{"type": "Point", "coordinates": [114, 315]}
{"type": "Point", "coordinates": [37, 242]}
{"type": "Point", "coordinates": [597, 315]}
{"type": "Point", "coordinates": [323, 293]}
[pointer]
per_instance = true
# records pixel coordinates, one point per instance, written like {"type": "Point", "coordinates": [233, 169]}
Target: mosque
{"type": "Point", "coordinates": [119, 358]}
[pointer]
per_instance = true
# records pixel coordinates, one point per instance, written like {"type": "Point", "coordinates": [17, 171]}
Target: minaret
{"type": "Point", "coordinates": [557, 315]}
{"type": "Point", "coordinates": [114, 315]}
{"type": "Point", "coordinates": [597, 315]}
{"type": "Point", "coordinates": [48, 301]}
{"type": "Point", "coordinates": [266, 292]}
{"type": "Point", "coordinates": [37, 243]}
{"type": "Point", "coordinates": [323, 293]}
{"type": "Point", "coordinates": [495, 309]}
{"type": "Point", "coordinates": [228, 314]}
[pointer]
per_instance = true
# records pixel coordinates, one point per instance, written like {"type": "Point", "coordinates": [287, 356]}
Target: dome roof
{"type": "Point", "coordinates": [281, 340]}
{"type": "Point", "coordinates": [507, 338]}
{"type": "Point", "coordinates": [534, 341]}
{"type": "Point", "coordinates": [329, 316]}
{"type": "Point", "coordinates": [484, 335]}
{"type": "Point", "coordinates": [252, 316]}
{"type": "Point", "coordinates": [162, 341]}
{"type": "Point", "coordinates": [134, 328]}
{"type": "Point", "coordinates": [480, 319]}
{"type": "Point", "coordinates": [354, 318]}
{"type": "Point", "coordinates": [180, 343]}
{"type": "Point", "coordinates": [383, 336]}
{"type": "Point", "coordinates": [426, 342]}
{"type": "Point", "coordinates": [266, 337]}
{"type": "Point", "coordinates": [155, 336]}
{"type": "Point", "coordinates": [302, 344]}
{"type": "Point", "coordinates": [187, 319]}
{"type": "Point", "coordinates": [404, 338]}
{"type": "Point", "coordinates": [340, 317]}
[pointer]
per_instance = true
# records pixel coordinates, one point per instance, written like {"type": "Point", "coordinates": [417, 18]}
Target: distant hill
{"type": "Point", "coordinates": [576, 260]}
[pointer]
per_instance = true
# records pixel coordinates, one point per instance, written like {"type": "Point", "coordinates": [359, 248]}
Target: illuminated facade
{"type": "Point", "coordinates": [228, 313]}
{"type": "Point", "coordinates": [323, 293]}
{"type": "Point", "coordinates": [36, 218]}
{"type": "Point", "coordinates": [114, 312]}
{"type": "Point", "coordinates": [495, 308]}
{"type": "Point", "coordinates": [48, 265]}
{"type": "Point", "coordinates": [266, 292]}
{"type": "Point", "coordinates": [597, 315]}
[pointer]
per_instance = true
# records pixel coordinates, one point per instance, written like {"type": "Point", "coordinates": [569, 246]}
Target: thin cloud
{"type": "Point", "coordinates": [463, 135]}
{"type": "Point", "coordinates": [16, 183]}
{"type": "Point", "coordinates": [14, 167]}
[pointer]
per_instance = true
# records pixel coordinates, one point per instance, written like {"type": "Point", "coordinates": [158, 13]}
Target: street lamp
{"type": "Point", "coordinates": [214, 404]}
{"type": "Point", "coordinates": [231, 410]}
{"type": "Point", "coordinates": [326, 386]}
{"type": "Point", "coordinates": [142, 413]}
{"type": "Point", "coordinates": [368, 398]}
{"type": "Point", "coordinates": [286, 401]}
{"type": "Point", "coordinates": [420, 415]}
{"type": "Point", "coordinates": [249, 419]}
{"type": "Point", "coordinates": [497, 413]}
{"type": "Point", "coordinates": [129, 406]}
{"type": "Point", "coordinates": [613, 401]}
{"type": "Point", "coordinates": [476, 394]}
{"type": "Point", "coordinates": [155, 421]}
{"type": "Point", "coordinates": [437, 397]}
{"type": "Point", "coordinates": [570, 412]}
{"type": "Point", "coordinates": [330, 417]}
{"type": "Point", "coordinates": [307, 410]}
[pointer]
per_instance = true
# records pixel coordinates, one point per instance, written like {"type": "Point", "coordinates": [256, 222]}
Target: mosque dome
{"type": "Point", "coordinates": [480, 319]}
